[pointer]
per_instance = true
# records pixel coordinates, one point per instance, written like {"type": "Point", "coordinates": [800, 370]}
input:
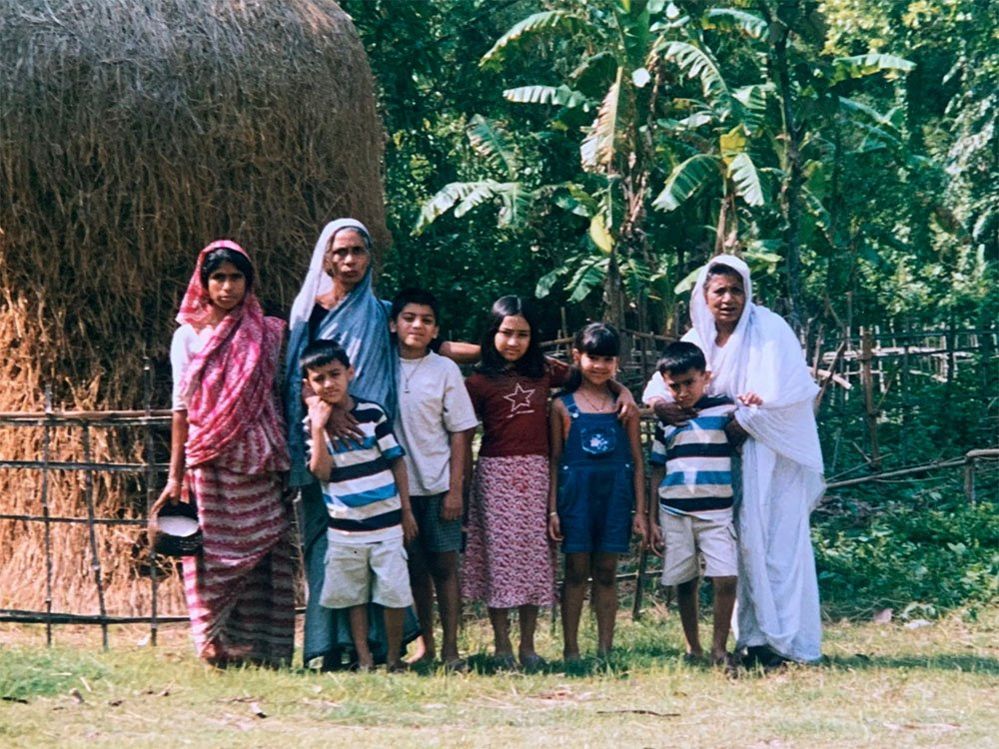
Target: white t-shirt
{"type": "Point", "coordinates": [187, 343]}
{"type": "Point", "coordinates": [433, 402]}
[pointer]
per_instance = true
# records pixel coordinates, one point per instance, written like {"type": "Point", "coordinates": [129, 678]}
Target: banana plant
{"type": "Point", "coordinates": [611, 85]}
{"type": "Point", "coordinates": [728, 123]}
{"type": "Point", "coordinates": [492, 144]}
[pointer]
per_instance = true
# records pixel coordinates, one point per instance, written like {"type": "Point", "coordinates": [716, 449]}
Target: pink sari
{"type": "Point", "coordinates": [240, 589]}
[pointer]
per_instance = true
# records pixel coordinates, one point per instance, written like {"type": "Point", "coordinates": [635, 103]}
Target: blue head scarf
{"type": "Point", "coordinates": [359, 323]}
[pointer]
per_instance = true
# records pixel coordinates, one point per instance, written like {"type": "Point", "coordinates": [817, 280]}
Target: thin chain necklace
{"type": "Point", "coordinates": [597, 407]}
{"type": "Point", "coordinates": [406, 378]}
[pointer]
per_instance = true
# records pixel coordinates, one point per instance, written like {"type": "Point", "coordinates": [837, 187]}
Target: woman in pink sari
{"type": "Point", "coordinates": [228, 453]}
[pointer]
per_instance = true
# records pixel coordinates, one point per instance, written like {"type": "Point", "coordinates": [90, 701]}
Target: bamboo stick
{"type": "Point", "coordinates": [46, 446]}
{"type": "Point", "coordinates": [73, 465]}
{"type": "Point", "coordinates": [900, 472]}
{"type": "Point", "coordinates": [95, 563]}
{"type": "Point", "coordinates": [70, 520]}
{"type": "Point", "coordinates": [867, 380]}
{"type": "Point", "coordinates": [149, 447]}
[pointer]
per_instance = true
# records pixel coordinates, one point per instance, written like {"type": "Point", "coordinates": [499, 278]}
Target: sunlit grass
{"type": "Point", "coordinates": [880, 684]}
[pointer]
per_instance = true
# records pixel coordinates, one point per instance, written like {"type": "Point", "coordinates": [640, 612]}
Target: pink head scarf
{"type": "Point", "coordinates": [229, 383]}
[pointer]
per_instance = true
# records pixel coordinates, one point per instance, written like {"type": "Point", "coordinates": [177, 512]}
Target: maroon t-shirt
{"type": "Point", "coordinates": [514, 410]}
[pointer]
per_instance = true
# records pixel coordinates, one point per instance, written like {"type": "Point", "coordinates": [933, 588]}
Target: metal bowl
{"type": "Point", "coordinates": [177, 531]}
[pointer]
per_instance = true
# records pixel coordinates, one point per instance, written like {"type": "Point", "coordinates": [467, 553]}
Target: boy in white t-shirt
{"type": "Point", "coordinates": [434, 425]}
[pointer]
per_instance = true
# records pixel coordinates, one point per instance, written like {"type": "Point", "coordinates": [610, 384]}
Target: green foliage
{"type": "Point", "coordinates": [923, 555]}
{"type": "Point", "coordinates": [637, 105]}
{"type": "Point", "coordinates": [687, 178]}
{"type": "Point", "coordinates": [547, 22]}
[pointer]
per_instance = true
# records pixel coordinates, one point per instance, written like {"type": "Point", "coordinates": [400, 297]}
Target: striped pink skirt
{"type": "Point", "coordinates": [509, 560]}
{"type": "Point", "coordinates": [240, 589]}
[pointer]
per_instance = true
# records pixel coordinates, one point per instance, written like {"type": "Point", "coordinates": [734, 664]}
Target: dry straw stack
{"type": "Point", "coordinates": [133, 132]}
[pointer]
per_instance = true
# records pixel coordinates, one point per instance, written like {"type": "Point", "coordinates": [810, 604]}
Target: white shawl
{"type": "Point", "coordinates": [781, 470]}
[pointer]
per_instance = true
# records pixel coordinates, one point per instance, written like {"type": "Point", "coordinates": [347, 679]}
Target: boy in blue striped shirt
{"type": "Point", "coordinates": [365, 488]}
{"type": "Point", "coordinates": [692, 466]}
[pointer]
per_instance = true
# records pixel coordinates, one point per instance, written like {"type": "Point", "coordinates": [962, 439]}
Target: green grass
{"type": "Point", "coordinates": [880, 685]}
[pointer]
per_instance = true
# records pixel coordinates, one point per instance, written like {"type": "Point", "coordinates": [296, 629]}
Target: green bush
{"type": "Point", "coordinates": [922, 556]}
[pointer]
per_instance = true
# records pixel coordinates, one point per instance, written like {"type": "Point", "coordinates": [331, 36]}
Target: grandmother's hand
{"type": "Point", "coordinates": [342, 428]}
{"type": "Point", "coordinates": [672, 413]}
{"type": "Point", "coordinates": [735, 433]}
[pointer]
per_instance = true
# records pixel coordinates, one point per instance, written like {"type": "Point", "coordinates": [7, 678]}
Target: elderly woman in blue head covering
{"type": "Point", "coordinates": [336, 301]}
{"type": "Point", "coordinates": [749, 348]}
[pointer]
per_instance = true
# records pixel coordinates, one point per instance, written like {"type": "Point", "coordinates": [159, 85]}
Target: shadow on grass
{"type": "Point", "coordinates": [943, 662]}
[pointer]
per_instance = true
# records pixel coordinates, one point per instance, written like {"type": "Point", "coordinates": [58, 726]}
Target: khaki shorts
{"type": "Point", "coordinates": [359, 573]}
{"type": "Point", "coordinates": [685, 536]}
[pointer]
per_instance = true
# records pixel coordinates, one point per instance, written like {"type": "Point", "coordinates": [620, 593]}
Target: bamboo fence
{"type": "Point", "coordinates": [861, 354]}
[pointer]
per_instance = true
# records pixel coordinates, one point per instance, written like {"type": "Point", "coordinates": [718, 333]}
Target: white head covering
{"type": "Point", "coordinates": [317, 281]}
{"type": "Point", "coordinates": [723, 362]}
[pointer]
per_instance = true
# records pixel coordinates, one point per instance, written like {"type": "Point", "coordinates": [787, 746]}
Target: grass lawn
{"type": "Point", "coordinates": [881, 685]}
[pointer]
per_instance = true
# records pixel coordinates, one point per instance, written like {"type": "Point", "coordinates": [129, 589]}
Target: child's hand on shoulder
{"type": "Point", "coordinates": [409, 528]}
{"type": "Point", "coordinates": [627, 409]}
{"type": "Point", "coordinates": [750, 399]}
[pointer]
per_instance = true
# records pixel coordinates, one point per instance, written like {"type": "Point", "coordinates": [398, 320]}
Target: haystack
{"type": "Point", "coordinates": [133, 132]}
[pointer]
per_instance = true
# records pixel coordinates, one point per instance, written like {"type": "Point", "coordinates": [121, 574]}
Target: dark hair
{"type": "Point", "coordinates": [215, 258]}
{"type": "Point", "coordinates": [532, 363]}
{"type": "Point", "coordinates": [597, 339]}
{"type": "Point", "coordinates": [720, 269]}
{"type": "Point", "coordinates": [320, 353]}
{"type": "Point", "coordinates": [680, 357]}
{"type": "Point", "coordinates": [414, 295]}
{"type": "Point", "coordinates": [350, 227]}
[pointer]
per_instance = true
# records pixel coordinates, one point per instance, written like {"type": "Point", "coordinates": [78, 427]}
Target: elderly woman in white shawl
{"type": "Point", "coordinates": [749, 348]}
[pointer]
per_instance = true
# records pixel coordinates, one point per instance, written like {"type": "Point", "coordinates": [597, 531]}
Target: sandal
{"type": "Point", "coordinates": [456, 666]}
{"type": "Point", "coordinates": [727, 664]}
{"type": "Point", "coordinates": [532, 663]}
{"type": "Point", "coordinates": [505, 662]}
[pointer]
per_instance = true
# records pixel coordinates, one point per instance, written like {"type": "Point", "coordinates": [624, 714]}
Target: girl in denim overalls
{"type": "Point", "coordinates": [597, 478]}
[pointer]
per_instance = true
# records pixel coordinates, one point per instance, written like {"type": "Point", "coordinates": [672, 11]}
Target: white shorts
{"type": "Point", "coordinates": [685, 536]}
{"type": "Point", "coordinates": [359, 573]}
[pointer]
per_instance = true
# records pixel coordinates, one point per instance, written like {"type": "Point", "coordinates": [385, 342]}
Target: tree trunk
{"type": "Point", "coordinates": [614, 293]}
{"type": "Point", "coordinates": [790, 193]}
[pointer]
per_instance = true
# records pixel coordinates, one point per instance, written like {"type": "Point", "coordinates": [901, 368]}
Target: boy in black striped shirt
{"type": "Point", "coordinates": [692, 466]}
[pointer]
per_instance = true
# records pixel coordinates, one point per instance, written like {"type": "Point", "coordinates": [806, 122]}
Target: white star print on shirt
{"type": "Point", "coordinates": [520, 400]}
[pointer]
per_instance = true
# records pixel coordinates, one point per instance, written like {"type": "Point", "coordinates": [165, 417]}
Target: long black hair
{"type": "Point", "coordinates": [532, 363]}
{"type": "Point", "coordinates": [215, 258]}
{"type": "Point", "coordinates": [596, 339]}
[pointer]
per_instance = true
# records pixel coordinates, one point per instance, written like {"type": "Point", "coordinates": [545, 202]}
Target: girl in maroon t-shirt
{"type": "Point", "coordinates": [509, 562]}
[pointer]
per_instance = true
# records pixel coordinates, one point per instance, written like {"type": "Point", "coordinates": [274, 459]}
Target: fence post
{"type": "Point", "coordinates": [969, 478]}
{"type": "Point", "coordinates": [95, 563]}
{"type": "Point", "coordinates": [866, 355]}
{"type": "Point", "coordinates": [46, 449]}
{"type": "Point", "coordinates": [949, 339]}
{"type": "Point", "coordinates": [150, 449]}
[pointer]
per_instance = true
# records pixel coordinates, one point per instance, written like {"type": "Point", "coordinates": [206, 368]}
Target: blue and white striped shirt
{"type": "Point", "coordinates": [361, 496]}
{"type": "Point", "coordinates": [698, 460]}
